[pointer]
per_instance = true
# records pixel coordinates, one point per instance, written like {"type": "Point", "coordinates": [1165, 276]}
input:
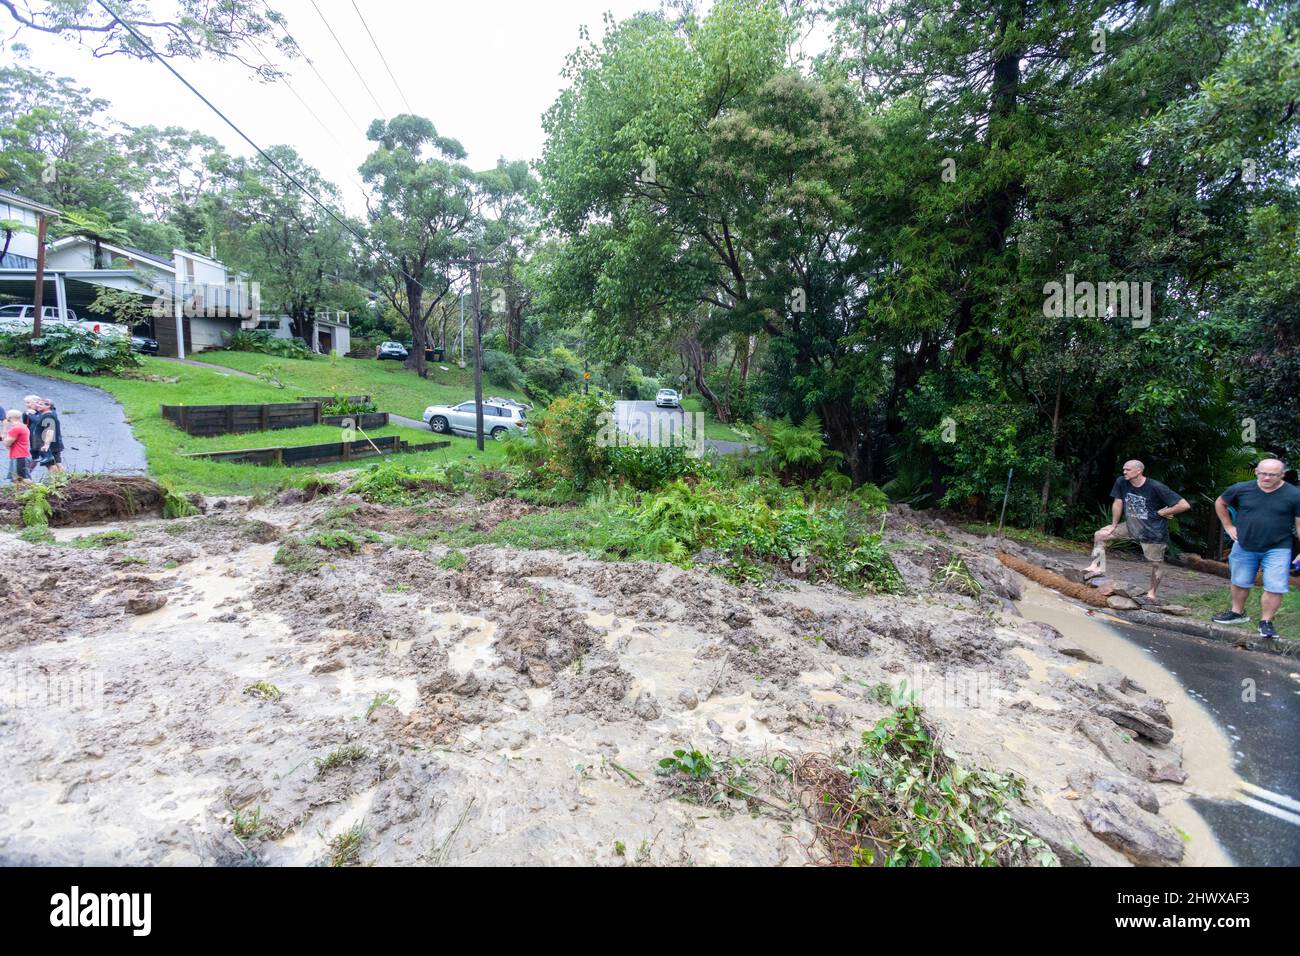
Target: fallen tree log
{"type": "Point", "coordinates": [1046, 578]}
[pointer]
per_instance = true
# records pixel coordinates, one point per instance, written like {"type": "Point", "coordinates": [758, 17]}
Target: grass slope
{"type": "Point", "coordinates": [393, 388]}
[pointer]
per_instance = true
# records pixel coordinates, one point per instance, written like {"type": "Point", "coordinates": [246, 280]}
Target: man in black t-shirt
{"type": "Point", "coordinates": [1268, 512]}
{"type": "Point", "coordinates": [1147, 505]}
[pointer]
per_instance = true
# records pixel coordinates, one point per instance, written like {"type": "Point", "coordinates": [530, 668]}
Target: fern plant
{"type": "Point", "coordinates": [798, 453]}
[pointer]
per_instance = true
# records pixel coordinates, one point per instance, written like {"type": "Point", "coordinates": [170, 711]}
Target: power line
{"type": "Point", "coordinates": [323, 125]}
{"type": "Point", "coordinates": [231, 123]}
{"type": "Point", "coordinates": [349, 59]}
{"type": "Point", "coordinates": [328, 88]}
{"type": "Point", "coordinates": [153, 54]}
{"type": "Point", "coordinates": [383, 58]}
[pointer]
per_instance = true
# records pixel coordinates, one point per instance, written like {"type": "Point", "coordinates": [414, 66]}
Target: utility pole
{"type": "Point", "coordinates": [474, 262]}
{"type": "Point", "coordinates": [478, 346]}
{"type": "Point", "coordinates": [38, 295]}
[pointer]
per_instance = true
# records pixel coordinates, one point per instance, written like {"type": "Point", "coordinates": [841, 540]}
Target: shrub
{"type": "Point", "coordinates": [73, 349]}
{"type": "Point", "coordinates": [339, 405]}
{"type": "Point", "coordinates": [267, 343]}
{"type": "Point", "coordinates": [391, 483]}
{"type": "Point", "coordinates": [902, 797]}
{"type": "Point", "coordinates": [568, 439]}
{"type": "Point", "coordinates": [501, 369]}
{"type": "Point", "coordinates": [798, 453]}
{"type": "Point", "coordinates": [759, 522]}
{"type": "Point", "coordinates": [646, 467]}
{"type": "Point", "coordinates": [551, 375]}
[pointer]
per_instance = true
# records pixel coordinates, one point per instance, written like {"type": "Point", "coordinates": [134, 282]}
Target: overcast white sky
{"type": "Point", "coordinates": [483, 71]}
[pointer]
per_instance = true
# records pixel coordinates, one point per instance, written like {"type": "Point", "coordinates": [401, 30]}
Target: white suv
{"type": "Point", "coordinates": [16, 317]}
{"type": "Point", "coordinates": [499, 418]}
{"type": "Point", "coordinates": [667, 398]}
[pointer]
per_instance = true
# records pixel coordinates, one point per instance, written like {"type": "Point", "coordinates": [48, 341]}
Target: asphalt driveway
{"type": "Point", "coordinates": [96, 437]}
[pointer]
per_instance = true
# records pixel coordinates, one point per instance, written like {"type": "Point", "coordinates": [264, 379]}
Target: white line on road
{"type": "Point", "coordinates": [1280, 799]}
{"type": "Point", "coordinates": [1271, 810]}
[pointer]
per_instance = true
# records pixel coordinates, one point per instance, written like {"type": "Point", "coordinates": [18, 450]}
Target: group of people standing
{"type": "Point", "coordinates": [33, 438]}
{"type": "Point", "coordinates": [1260, 517]}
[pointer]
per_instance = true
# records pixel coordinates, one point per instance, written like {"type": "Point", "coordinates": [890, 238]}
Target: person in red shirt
{"type": "Point", "coordinates": [18, 440]}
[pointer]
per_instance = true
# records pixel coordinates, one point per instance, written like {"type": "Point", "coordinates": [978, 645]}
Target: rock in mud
{"type": "Point", "coordinates": [1053, 831]}
{"type": "Point", "coordinates": [1167, 773]}
{"type": "Point", "coordinates": [1177, 610]}
{"type": "Point", "coordinates": [1143, 837]}
{"type": "Point", "coordinates": [138, 603]}
{"type": "Point", "coordinates": [1121, 602]}
{"type": "Point", "coordinates": [328, 667]}
{"type": "Point", "coordinates": [688, 699]}
{"type": "Point", "coordinates": [1085, 781]}
{"type": "Point", "coordinates": [1145, 716]}
{"type": "Point", "coordinates": [646, 707]}
{"type": "Point", "coordinates": [1117, 746]}
{"type": "Point", "coordinates": [1066, 646]}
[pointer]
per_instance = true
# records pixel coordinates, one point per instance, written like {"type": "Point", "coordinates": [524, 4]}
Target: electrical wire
{"type": "Point", "coordinates": [349, 59]}
{"type": "Point", "coordinates": [382, 58]}
{"type": "Point", "coordinates": [298, 46]}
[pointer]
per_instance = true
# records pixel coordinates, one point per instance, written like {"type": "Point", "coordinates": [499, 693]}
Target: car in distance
{"type": "Point", "coordinates": [667, 398]}
{"type": "Point", "coordinates": [499, 419]}
{"type": "Point", "coordinates": [144, 345]}
{"type": "Point", "coordinates": [391, 350]}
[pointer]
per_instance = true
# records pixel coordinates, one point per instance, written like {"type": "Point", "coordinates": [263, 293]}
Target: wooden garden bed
{"type": "Point", "coordinates": [317, 454]}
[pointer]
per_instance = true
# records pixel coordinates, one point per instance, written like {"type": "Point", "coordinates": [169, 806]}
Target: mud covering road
{"type": "Point", "coordinates": [96, 437]}
{"type": "Point", "coordinates": [510, 707]}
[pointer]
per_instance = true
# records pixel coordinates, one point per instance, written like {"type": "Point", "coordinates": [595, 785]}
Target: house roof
{"type": "Point", "coordinates": [129, 251]}
{"type": "Point", "coordinates": [16, 200]}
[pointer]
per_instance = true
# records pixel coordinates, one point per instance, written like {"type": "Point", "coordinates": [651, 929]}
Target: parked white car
{"type": "Point", "coordinates": [14, 318]}
{"type": "Point", "coordinates": [667, 398]}
{"type": "Point", "coordinates": [499, 418]}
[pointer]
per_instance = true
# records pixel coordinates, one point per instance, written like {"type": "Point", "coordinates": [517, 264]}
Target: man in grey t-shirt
{"type": "Point", "coordinates": [1147, 505]}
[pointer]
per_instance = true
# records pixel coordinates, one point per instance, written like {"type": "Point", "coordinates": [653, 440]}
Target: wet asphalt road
{"type": "Point", "coordinates": [645, 420]}
{"type": "Point", "coordinates": [96, 437]}
{"type": "Point", "coordinates": [1261, 828]}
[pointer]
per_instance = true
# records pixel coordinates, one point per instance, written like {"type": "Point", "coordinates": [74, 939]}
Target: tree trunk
{"type": "Point", "coordinates": [514, 327]}
{"type": "Point", "coordinates": [846, 438]}
{"type": "Point", "coordinates": [1051, 456]}
{"type": "Point", "coordinates": [695, 354]}
{"type": "Point", "coordinates": [419, 331]}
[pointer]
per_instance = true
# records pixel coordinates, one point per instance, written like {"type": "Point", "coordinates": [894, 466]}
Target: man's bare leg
{"type": "Point", "coordinates": [1099, 540]}
{"type": "Point", "coordinates": [1268, 605]}
{"type": "Point", "coordinates": [1157, 575]}
{"type": "Point", "coordinates": [1239, 596]}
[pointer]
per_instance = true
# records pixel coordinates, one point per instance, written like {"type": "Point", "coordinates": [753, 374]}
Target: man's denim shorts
{"type": "Point", "coordinates": [1246, 564]}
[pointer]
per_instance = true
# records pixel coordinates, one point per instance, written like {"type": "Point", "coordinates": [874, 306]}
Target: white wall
{"type": "Point", "coordinates": [23, 243]}
{"type": "Point", "coordinates": [73, 258]}
{"type": "Point", "coordinates": [208, 333]}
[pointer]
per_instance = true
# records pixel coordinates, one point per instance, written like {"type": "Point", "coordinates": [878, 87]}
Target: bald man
{"type": "Point", "coordinates": [1268, 512]}
{"type": "Point", "coordinates": [1147, 505]}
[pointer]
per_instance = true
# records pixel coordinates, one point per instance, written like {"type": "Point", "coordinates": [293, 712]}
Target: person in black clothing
{"type": "Point", "coordinates": [1147, 505]}
{"type": "Point", "coordinates": [1268, 512]}
{"type": "Point", "coordinates": [42, 421]}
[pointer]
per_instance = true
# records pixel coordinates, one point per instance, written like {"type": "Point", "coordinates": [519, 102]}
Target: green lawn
{"type": "Point", "coordinates": [393, 388]}
{"type": "Point", "coordinates": [391, 385]}
{"type": "Point", "coordinates": [1287, 621]}
{"type": "Point", "coordinates": [715, 429]}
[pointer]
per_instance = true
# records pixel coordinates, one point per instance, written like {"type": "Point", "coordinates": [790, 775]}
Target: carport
{"type": "Point", "coordinates": [74, 290]}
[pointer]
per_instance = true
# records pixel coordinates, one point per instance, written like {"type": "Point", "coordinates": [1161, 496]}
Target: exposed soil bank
{"type": "Point", "coordinates": [513, 709]}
